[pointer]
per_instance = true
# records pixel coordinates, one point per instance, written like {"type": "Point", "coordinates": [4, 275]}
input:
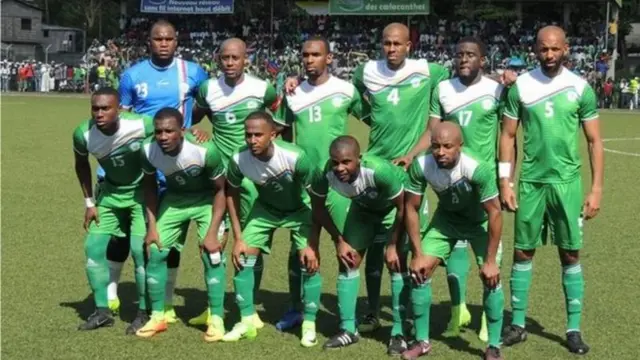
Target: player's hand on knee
{"type": "Point", "coordinates": [591, 205]}
{"type": "Point", "coordinates": [239, 253]}
{"type": "Point", "coordinates": [392, 259]}
{"type": "Point", "coordinates": [150, 239]}
{"type": "Point", "coordinates": [346, 254]}
{"type": "Point", "coordinates": [200, 135]}
{"type": "Point", "coordinates": [419, 269]}
{"type": "Point", "coordinates": [490, 274]}
{"type": "Point", "coordinates": [290, 85]}
{"type": "Point", "coordinates": [403, 161]}
{"type": "Point", "coordinates": [508, 198]}
{"type": "Point", "coordinates": [212, 245]}
{"type": "Point", "coordinates": [91, 214]}
{"type": "Point", "coordinates": [309, 259]}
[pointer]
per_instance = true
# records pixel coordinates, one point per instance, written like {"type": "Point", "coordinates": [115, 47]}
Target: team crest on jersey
{"type": "Point", "coordinates": [252, 104]}
{"type": "Point", "coordinates": [194, 171]}
{"type": "Point", "coordinates": [372, 194]}
{"type": "Point", "coordinates": [337, 101]}
{"type": "Point", "coordinates": [415, 82]}
{"type": "Point", "coordinates": [134, 146]}
{"type": "Point", "coordinates": [572, 96]}
{"type": "Point", "coordinates": [487, 104]}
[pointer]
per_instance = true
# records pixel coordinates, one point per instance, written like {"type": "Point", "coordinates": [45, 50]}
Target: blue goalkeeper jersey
{"type": "Point", "coordinates": [146, 88]}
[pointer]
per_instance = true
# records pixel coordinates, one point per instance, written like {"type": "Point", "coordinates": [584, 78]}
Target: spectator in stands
{"type": "Point", "coordinates": [607, 91]}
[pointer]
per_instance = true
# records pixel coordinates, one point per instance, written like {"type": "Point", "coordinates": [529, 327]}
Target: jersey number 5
{"type": "Point", "coordinates": [548, 109]}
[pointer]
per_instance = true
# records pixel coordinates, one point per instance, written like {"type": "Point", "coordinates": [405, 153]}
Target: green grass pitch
{"type": "Point", "coordinates": [45, 293]}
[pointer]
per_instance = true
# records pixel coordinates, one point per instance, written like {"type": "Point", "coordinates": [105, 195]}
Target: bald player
{"type": "Point", "coordinates": [376, 189]}
{"type": "Point", "coordinates": [553, 104]}
{"type": "Point", "coordinates": [227, 101]}
{"type": "Point", "coordinates": [468, 208]}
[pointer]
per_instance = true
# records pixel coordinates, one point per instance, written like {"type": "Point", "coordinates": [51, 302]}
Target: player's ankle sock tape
{"type": "Point", "coordinates": [215, 280]}
{"type": "Point", "coordinates": [244, 282]}
{"type": "Point", "coordinates": [573, 286]}
{"type": "Point", "coordinates": [521, 274]}
{"type": "Point", "coordinates": [493, 302]}
{"type": "Point", "coordinates": [421, 302]}
{"type": "Point", "coordinates": [348, 287]}
{"type": "Point", "coordinates": [97, 268]}
{"type": "Point", "coordinates": [457, 273]}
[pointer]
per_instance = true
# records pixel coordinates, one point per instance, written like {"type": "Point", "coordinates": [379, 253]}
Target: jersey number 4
{"type": "Point", "coordinates": [393, 97]}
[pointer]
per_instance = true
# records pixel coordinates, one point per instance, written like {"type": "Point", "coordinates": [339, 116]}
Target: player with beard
{"type": "Point", "coordinates": [474, 102]}
{"type": "Point", "coordinates": [468, 208]}
{"type": "Point", "coordinates": [161, 81]}
{"type": "Point", "coordinates": [552, 104]}
{"type": "Point", "coordinates": [227, 101]}
{"type": "Point", "coordinates": [317, 112]}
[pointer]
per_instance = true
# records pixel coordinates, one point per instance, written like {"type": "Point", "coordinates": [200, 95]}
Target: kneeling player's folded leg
{"type": "Point", "coordinates": [95, 249]}
{"type": "Point", "coordinates": [137, 231]}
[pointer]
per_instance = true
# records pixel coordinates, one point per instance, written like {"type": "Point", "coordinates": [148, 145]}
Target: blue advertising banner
{"type": "Point", "coordinates": [187, 6]}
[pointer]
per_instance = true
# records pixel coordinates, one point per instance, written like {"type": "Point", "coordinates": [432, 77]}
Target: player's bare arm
{"type": "Point", "coordinates": [423, 144]}
{"type": "Point", "coordinates": [150, 190]}
{"type": "Point", "coordinates": [391, 253]}
{"type": "Point", "coordinates": [198, 114]}
{"type": "Point", "coordinates": [490, 271]}
{"type": "Point", "coordinates": [419, 265]}
{"type": "Point", "coordinates": [591, 130]}
{"type": "Point", "coordinates": [345, 253]}
{"type": "Point", "coordinates": [83, 172]}
{"type": "Point", "coordinates": [211, 242]}
{"type": "Point", "coordinates": [506, 158]}
{"type": "Point", "coordinates": [233, 204]}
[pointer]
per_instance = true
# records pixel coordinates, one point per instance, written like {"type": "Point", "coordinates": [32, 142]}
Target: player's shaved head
{"type": "Point", "coordinates": [446, 140]}
{"type": "Point", "coordinates": [108, 91]}
{"type": "Point", "coordinates": [551, 31]}
{"type": "Point", "coordinates": [234, 43]}
{"type": "Point", "coordinates": [397, 28]}
{"type": "Point", "coordinates": [163, 42]}
{"type": "Point", "coordinates": [161, 24]}
{"type": "Point", "coordinates": [347, 144]}
{"type": "Point", "coordinates": [551, 49]}
{"type": "Point", "coordinates": [344, 154]}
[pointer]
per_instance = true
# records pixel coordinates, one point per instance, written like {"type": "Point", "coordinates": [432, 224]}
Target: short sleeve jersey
{"type": "Point", "coordinates": [460, 190]}
{"type": "Point", "coordinates": [320, 114]}
{"type": "Point", "coordinates": [551, 111]}
{"type": "Point", "coordinates": [399, 103]}
{"type": "Point", "coordinates": [118, 154]}
{"type": "Point", "coordinates": [230, 106]}
{"type": "Point", "coordinates": [377, 184]}
{"type": "Point", "coordinates": [192, 171]}
{"type": "Point", "coordinates": [476, 109]}
{"type": "Point", "coordinates": [281, 182]}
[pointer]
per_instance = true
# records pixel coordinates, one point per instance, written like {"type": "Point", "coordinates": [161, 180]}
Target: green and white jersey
{"type": "Point", "coordinates": [460, 190]}
{"type": "Point", "coordinates": [399, 103]}
{"type": "Point", "coordinates": [476, 109]}
{"type": "Point", "coordinates": [320, 114]}
{"type": "Point", "coordinates": [230, 106]}
{"type": "Point", "coordinates": [377, 184]}
{"type": "Point", "coordinates": [281, 181]}
{"type": "Point", "coordinates": [118, 154]}
{"type": "Point", "coordinates": [192, 171]}
{"type": "Point", "coordinates": [551, 111]}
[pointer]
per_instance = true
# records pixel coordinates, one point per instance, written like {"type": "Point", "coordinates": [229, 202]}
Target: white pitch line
{"type": "Point", "coordinates": [621, 152]}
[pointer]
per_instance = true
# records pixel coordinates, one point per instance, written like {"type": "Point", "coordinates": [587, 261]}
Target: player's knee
{"type": "Point", "coordinates": [118, 249]}
{"type": "Point", "coordinates": [523, 255]}
{"type": "Point", "coordinates": [173, 259]}
{"type": "Point", "coordinates": [569, 257]}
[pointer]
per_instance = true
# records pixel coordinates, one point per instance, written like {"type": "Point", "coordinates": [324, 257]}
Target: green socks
{"type": "Point", "coordinates": [157, 279]}
{"type": "Point", "coordinates": [421, 301]}
{"type": "Point", "coordinates": [257, 271]}
{"type": "Point", "coordinates": [215, 281]}
{"type": "Point", "coordinates": [244, 281]}
{"type": "Point", "coordinates": [493, 302]}
{"type": "Point", "coordinates": [348, 287]}
{"type": "Point", "coordinates": [137, 253]}
{"type": "Point", "coordinates": [95, 249]}
{"type": "Point", "coordinates": [521, 274]}
{"type": "Point", "coordinates": [373, 275]}
{"type": "Point", "coordinates": [457, 273]}
{"type": "Point", "coordinates": [399, 297]}
{"type": "Point", "coordinates": [312, 288]}
{"type": "Point", "coordinates": [573, 285]}
{"type": "Point", "coordinates": [295, 283]}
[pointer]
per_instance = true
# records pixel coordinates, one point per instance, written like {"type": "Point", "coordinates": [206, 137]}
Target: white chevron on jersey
{"type": "Point", "coordinates": [307, 94]}
{"type": "Point", "coordinates": [190, 156]}
{"type": "Point", "coordinates": [282, 162]}
{"type": "Point", "coordinates": [377, 75]}
{"type": "Point", "coordinates": [441, 179]}
{"type": "Point", "coordinates": [454, 95]}
{"type": "Point", "coordinates": [101, 145]}
{"type": "Point", "coordinates": [221, 96]}
{"type": "Point", "coordinates": [534, 86]}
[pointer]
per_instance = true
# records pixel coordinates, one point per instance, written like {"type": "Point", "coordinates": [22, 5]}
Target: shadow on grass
{"type": "Point", "coordinates": [128, 303]}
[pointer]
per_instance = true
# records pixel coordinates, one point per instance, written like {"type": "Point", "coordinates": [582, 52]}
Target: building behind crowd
{"type": "Point", "coordinates": [21, 29]}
